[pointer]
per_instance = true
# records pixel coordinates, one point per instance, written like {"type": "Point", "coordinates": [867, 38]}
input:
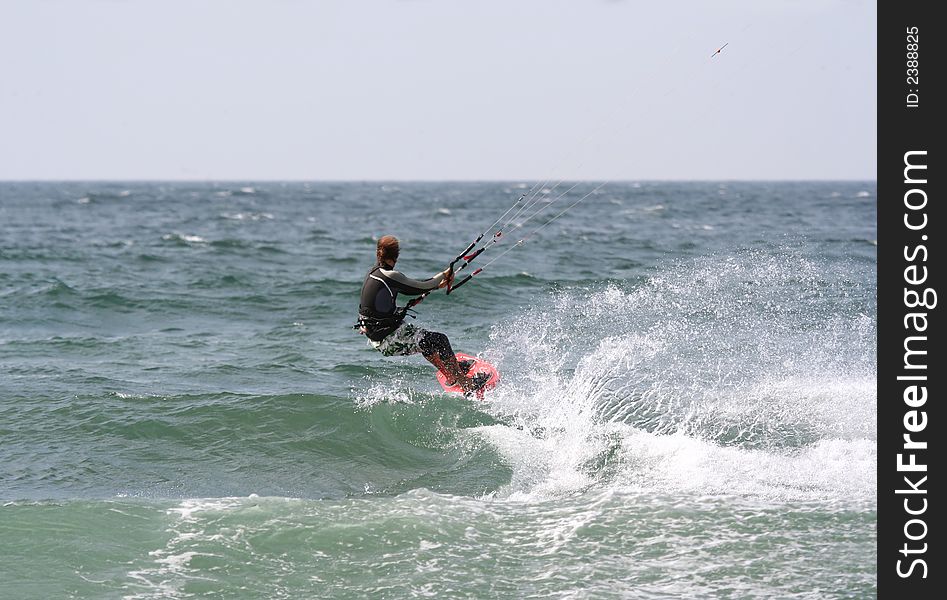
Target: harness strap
{"type": "Point", "coordinates": [392, 320]}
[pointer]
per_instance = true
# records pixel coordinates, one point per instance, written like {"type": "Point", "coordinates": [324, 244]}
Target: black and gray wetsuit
{"type": "Point", "coordinates": [380, 316]}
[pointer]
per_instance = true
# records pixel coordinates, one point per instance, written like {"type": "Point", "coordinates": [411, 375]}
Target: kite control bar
{"type": "Point", "coordinates": [467, 278]}
{"type": "Point", "coordinates": [463, 256]}
{"type": "Point", "coordinates": [469, 258]}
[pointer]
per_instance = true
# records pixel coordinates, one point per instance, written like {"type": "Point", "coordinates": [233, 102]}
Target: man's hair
{"type": "Point", "coordinates": [387, 249]}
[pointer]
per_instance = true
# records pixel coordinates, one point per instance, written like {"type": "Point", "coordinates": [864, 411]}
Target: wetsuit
{"type": "Point", "coordinates": [382, 320]}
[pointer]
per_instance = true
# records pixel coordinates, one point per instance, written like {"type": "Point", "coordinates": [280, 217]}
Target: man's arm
{"type": "Point", "coordinates": [413, 287]}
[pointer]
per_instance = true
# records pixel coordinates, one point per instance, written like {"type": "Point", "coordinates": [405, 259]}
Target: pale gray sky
{"type": "Point", "coordinates": [437, 89]}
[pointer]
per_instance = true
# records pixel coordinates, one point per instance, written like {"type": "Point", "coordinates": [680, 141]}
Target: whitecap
{"type": "Point", "coordinates": [738, 392]}
{"type": "Point", "coordinates": [248, 216]}
{"type": "Point", "coordinates": [191, 239]}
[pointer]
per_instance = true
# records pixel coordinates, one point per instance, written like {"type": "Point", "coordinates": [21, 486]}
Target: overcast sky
{"type": "Point", "coordinates": [437, 89]}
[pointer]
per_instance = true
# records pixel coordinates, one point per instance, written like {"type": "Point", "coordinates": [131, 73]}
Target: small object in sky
{"type": "Point", "coordinates": [718, 50]}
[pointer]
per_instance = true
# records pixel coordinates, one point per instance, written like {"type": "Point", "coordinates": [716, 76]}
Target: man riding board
{"type": "Point", "coordinates": [382, 321]}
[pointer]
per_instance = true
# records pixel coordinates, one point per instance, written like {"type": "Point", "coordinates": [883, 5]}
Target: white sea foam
{"type": "Point", "coordinates": [191, 239]}
{"type": "Point", "coordinates": [711, 379]}
{"type": "Point", "coordinates": [247, 216]}
{"type": "Point", "coordinates": [391, 390]}
{"type": "Point", "coordinates": [170, 568]}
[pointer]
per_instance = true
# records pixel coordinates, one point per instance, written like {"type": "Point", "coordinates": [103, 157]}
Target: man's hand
{"type": "Point", "coordinates": [448, 278]}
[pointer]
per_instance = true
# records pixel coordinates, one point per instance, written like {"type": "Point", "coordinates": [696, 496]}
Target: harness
{"type": "Point", "coordinates": [392, 321]}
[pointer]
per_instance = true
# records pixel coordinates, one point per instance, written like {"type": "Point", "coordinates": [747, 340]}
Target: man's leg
{"type": "Point", "coordinates": [450, 368]}
{"type": "Point", "coordinates": [436, 348]}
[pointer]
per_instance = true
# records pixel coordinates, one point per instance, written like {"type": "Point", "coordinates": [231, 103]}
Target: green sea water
{"type": "Point", "coordinates": [687, 407]}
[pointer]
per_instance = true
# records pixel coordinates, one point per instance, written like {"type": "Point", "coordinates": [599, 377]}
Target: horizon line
{"type": "Point", "coordinates": [446, 180]}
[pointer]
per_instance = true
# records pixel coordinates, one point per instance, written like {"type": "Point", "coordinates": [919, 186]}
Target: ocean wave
{"type": "Point", "coordinates": [104, 196]}
{"type": "Point", "coordinates": [247, 216]}
{"type": "Point", "coordinates": [243, 244]}
{"type": "Point", "coordinates": [161, 445]}
{"type": "Point", "coordinates": [422, 543]}
{"type": "Point", "coordinates": [710, 361]}
{"type": "Point", "coordinates": [184, 239]}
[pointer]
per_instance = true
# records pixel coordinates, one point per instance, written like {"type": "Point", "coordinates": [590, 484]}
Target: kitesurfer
{"type": "Point", "coordinates": [382, 321]}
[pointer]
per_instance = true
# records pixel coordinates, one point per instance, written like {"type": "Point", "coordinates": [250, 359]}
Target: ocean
{"type": "Point", "coordinates": [687, 406]}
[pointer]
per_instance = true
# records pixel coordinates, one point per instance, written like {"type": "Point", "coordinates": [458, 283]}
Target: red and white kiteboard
{"type": "Point", "coordinates": [479, 366]}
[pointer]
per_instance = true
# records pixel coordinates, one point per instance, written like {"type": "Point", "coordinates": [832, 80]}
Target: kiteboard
{"type": "Point", "coordinates": [479, 366]}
